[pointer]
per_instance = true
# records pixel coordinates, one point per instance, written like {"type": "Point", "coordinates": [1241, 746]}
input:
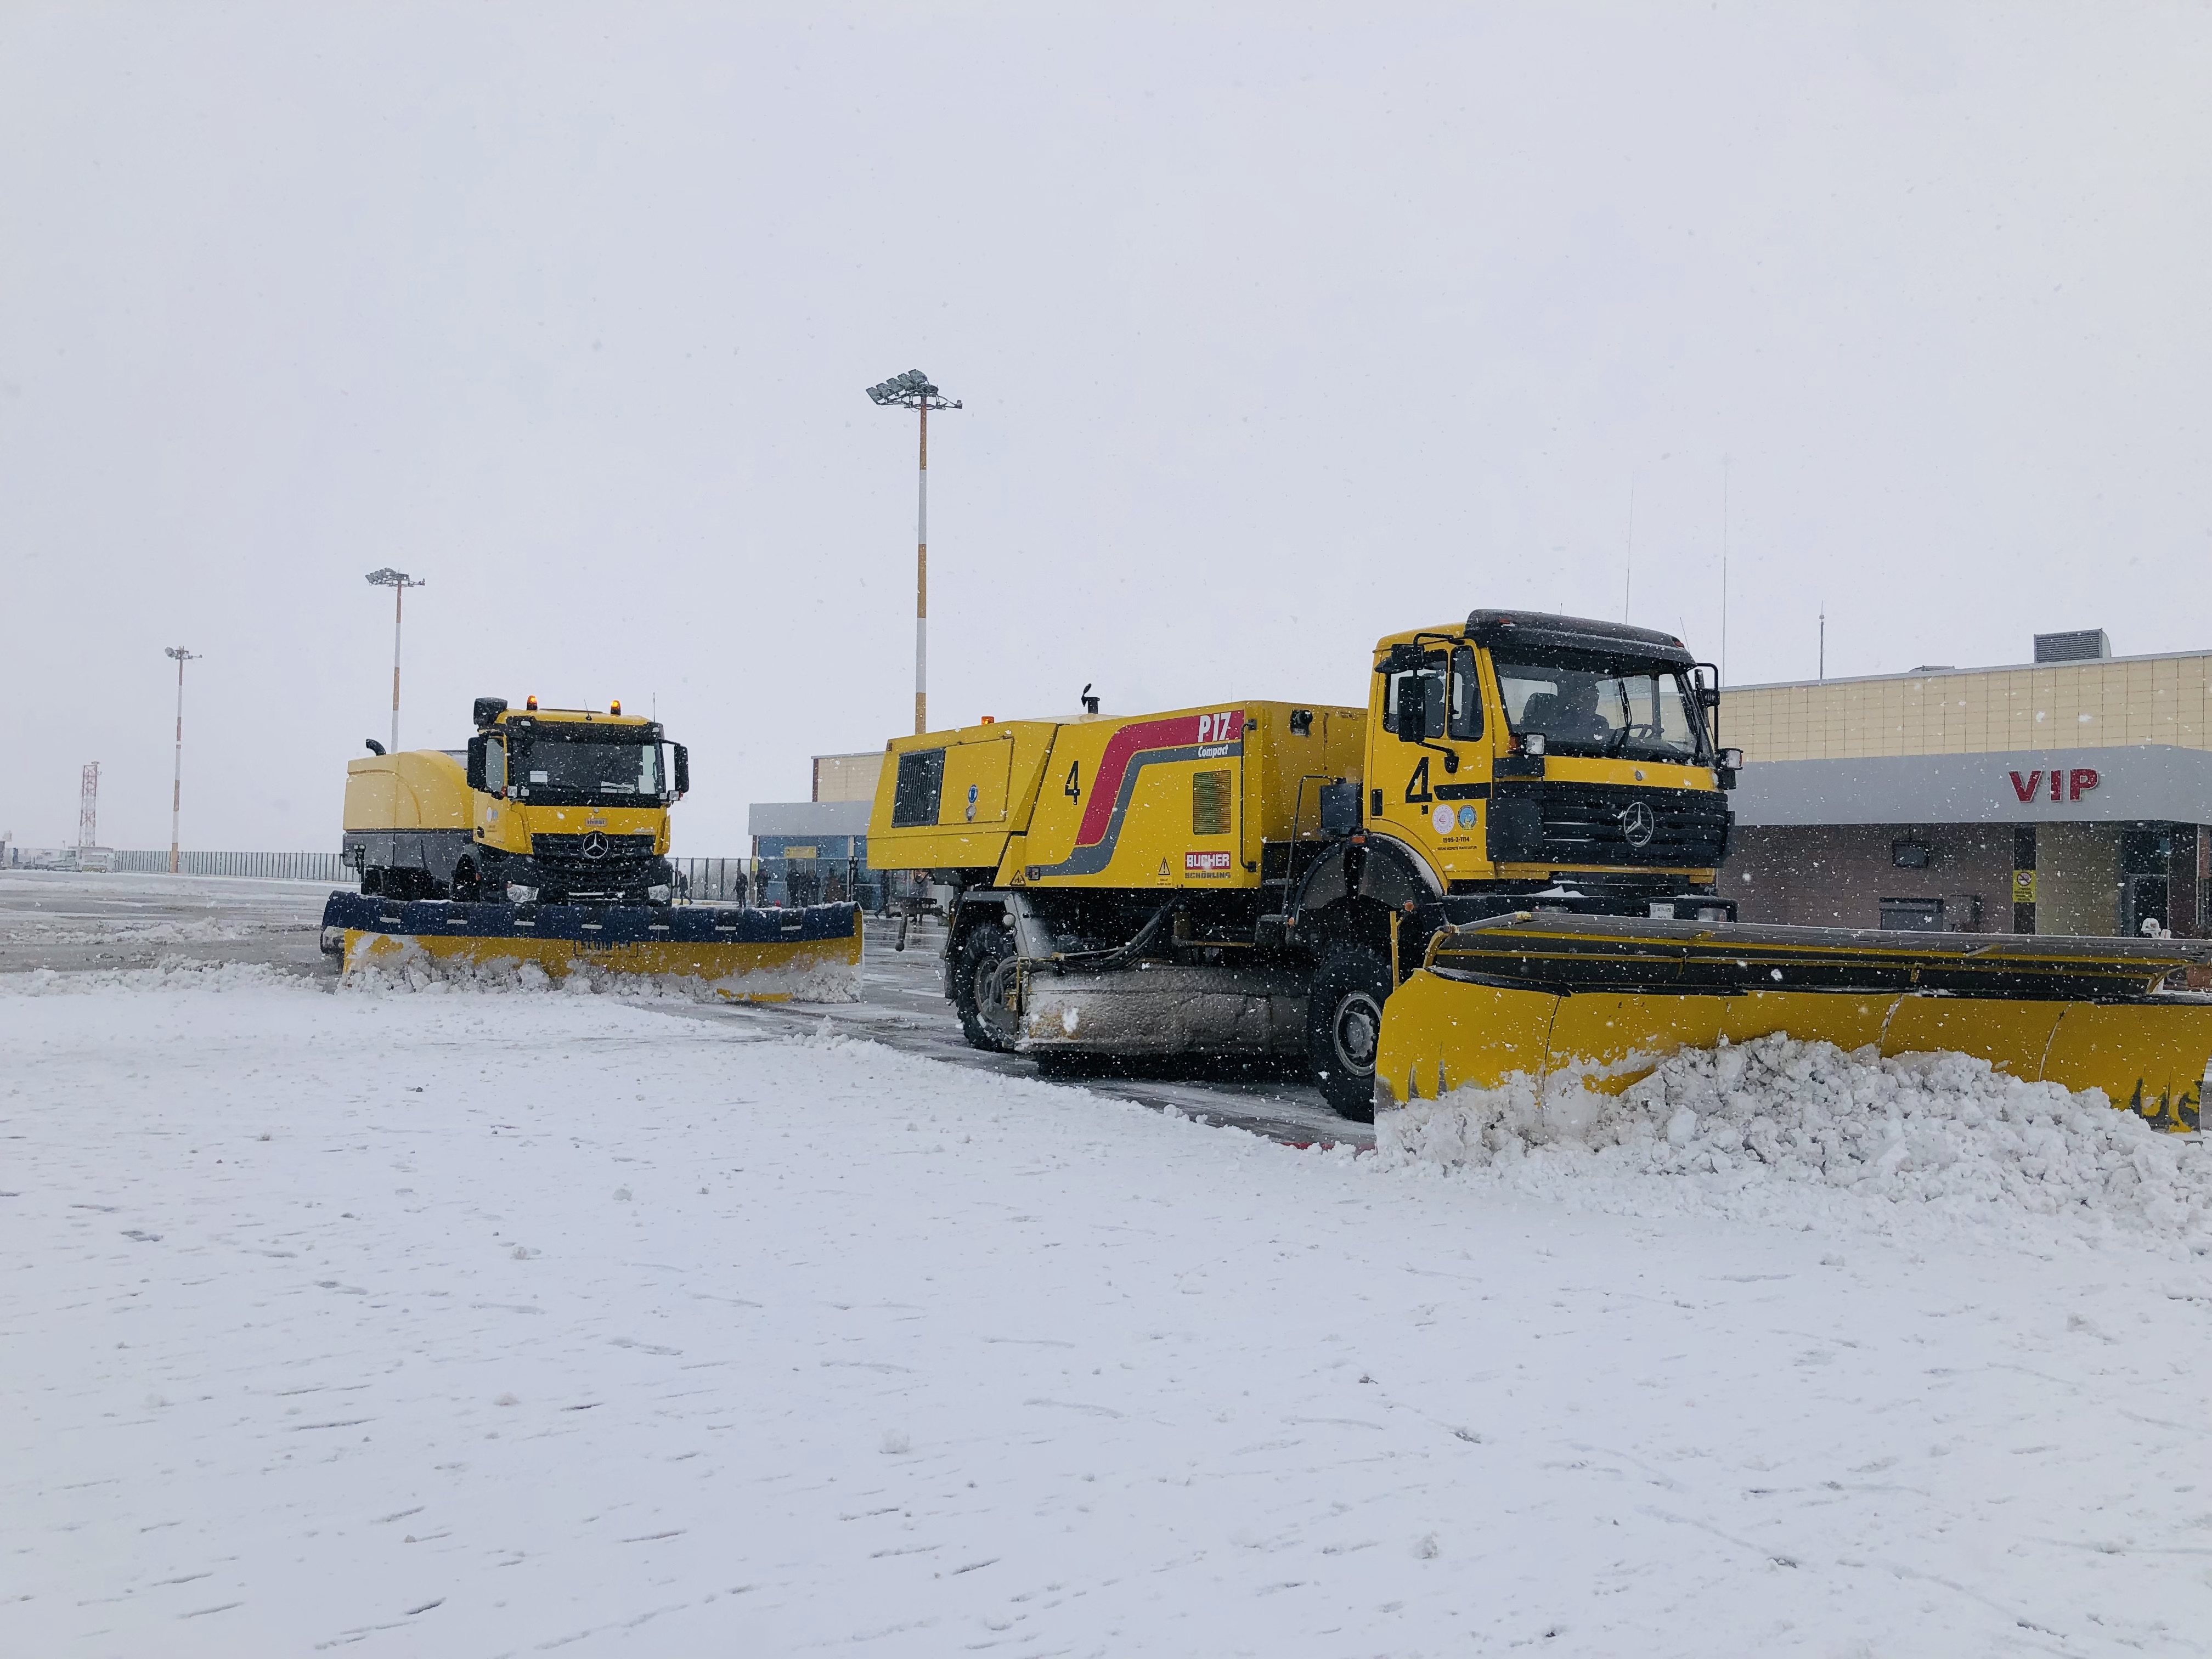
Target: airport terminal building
{"type": "Point", "coordinates": [2068, 795]}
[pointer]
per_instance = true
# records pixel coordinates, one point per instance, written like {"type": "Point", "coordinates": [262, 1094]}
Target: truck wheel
{"type": "Point", "coordinates": [465, 889]}
{"type": "Point", "coordinates": [1343, 1027]}
{"type": "Point", "coordinates": [979, 985]}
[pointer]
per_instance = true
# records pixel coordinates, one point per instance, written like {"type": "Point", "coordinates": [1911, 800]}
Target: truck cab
{"type": "Point", "coordinates": [1522, 754]}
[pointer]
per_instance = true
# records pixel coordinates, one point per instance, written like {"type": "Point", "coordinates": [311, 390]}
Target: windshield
{"type": "Point", "coordinates": [1585, 706]}
{"type": "Point", "coordinates": [552, 769]}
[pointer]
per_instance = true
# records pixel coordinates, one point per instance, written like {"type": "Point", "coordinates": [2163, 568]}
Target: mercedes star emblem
{"type": "Point", "coordinates": [1638, 823]}
{"type": "Point", "coordinates": [595, 844]}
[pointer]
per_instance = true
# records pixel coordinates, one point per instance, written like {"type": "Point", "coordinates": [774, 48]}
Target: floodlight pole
{"type": "Point", "coordinates": [921, 584]}
{"type": "Point", "coordinates": [398, 581]}
{"type": "Point", "coordinates": [177, 773]}
{"type": "Point", "coordinates": [913, 389]}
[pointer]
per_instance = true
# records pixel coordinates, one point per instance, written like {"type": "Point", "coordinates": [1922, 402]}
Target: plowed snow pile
{"type": "Point", "coordinates": [1774, 1125]}
{"type": "Point", "coordinates": [421, 973]}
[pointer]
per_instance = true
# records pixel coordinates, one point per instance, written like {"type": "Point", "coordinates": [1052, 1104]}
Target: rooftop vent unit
{"type": "Point", "coordinates": [2084, 645]}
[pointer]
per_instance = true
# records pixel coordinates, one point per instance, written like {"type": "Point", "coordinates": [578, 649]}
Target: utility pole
{"type": "Point", "coordinates": [1824, 640]}
{"type": "Point", "coordinates": [1628, 567]}
{"type": "Point", "coordinates": [177, 773]}
{"type": "Point", "coordinates": [398, 581]}
{"type": "Point", "coordinates": [1725, 553]}
{"type": "Point", "coordinates": [88, 806]}
{"type": "Point", "coordinates": [913, 389]}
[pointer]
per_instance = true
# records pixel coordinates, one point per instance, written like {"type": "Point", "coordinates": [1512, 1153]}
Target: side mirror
{"type": "Point", "coordinates": [682, 769]}
{"type": "Point", "coordinates": [476, 763]}
{"type": "Point", "coordinates": [1412, 709]}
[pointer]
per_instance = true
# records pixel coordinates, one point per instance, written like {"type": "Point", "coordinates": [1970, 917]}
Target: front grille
{"type": "Point", "coordinates": [566, 853]}
{"type": "Point", "coordinates": [1586, 823]}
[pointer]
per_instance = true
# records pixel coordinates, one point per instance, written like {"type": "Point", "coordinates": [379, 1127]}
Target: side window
{"type": "Point", "coordinates": [921, 780]}
{"type": "Point", "coordinates": [495, 766]}
{"type": "Point", "coordinates": [1209, 802]}
{"type": "Point", "coordinates": [1432, 682]}
{"type": "Point", "coordinates": [1466, 713]}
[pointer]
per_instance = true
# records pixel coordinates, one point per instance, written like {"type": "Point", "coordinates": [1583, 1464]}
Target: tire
{"type": "Point", "coordinates": [984, 953]}
{"type": "Point", "coordinates": [464, 887]}
{"type": "Point", "coordinates": [371, 882]}
{"type": "Point", "coordinates": [1343, 1023]}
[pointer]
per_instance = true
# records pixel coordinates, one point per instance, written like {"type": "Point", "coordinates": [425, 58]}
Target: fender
{"type": "Point", "coordinates": [1371, 879]}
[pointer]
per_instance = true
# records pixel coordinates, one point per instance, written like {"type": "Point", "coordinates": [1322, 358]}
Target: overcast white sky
{"type": "Point", "coordinates": [1278, 329]}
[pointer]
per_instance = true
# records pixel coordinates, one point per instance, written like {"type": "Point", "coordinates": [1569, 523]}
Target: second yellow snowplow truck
{"type": "Point", "coordinates": [1260, 878]}
{"type": "Point", "coordinates": [545, 842]}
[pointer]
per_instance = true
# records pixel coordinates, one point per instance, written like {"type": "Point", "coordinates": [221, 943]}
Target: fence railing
{"type": "Point", "coordinates": [267, 866]}
{"type": "Point", "coordinates": [700, 881]}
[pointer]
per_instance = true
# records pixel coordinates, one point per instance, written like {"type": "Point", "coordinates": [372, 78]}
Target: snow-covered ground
{"type": "Point", "coordinates": [471, 1324]}
{"type": "Point", "coordinates": [65, 920]}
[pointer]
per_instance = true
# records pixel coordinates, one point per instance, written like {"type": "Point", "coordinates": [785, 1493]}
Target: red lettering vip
{"type": "Point", "coordinates": [2064, 786]}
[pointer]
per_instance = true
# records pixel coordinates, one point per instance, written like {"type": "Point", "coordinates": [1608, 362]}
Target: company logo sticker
{"type": "Point", "coordinates": [1442, 817]}
{"type": "Point", "coordinates": [1467, 818]}
{"type": "Point", "coordinates": [1205, 864]}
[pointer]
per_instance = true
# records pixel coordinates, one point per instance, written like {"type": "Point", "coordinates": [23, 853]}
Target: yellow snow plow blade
{"type": "Point", "coordinates": [1606, 999]}
{"type": "Point", "coordinates": [810, 954]}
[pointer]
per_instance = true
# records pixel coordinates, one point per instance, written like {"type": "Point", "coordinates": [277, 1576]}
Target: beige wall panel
{"type": "Point", "coordinates": [2077, 878]}
{"type": "Point", "coordinates": [2158, 700]}
{"type": "Point", "coordinates": [846, 777]}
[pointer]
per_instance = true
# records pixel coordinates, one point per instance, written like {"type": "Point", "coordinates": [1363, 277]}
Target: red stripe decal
{"type": "Point", "coordinates": [1126, 745]}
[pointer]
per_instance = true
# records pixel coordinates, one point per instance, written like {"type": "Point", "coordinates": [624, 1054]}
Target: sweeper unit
{"type": "Point", "coordinates": [545, 840]}
{"type": "Point", "coordinates": [1530, 812]}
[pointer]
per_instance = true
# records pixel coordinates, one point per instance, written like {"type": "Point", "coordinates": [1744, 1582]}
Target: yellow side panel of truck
{"type": "Point", "coordinates": [1285, 769]}
{"type": "Point", "coordinates": [415, 789]}
{"type": "Point", "coordinates": [984, 784]}
{"type": "Point", "coordinates": [1156, 801]}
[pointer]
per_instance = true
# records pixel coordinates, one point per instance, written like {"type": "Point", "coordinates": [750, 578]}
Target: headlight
{"type": "Point", "coordinates": [518, 894]}
{"type": "Point", "coordinates": [658, 892]}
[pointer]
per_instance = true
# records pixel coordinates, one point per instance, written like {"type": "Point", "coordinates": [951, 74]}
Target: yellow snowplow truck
{"type": "Point", "coordinates": [546, 840]}
{"type": "Point", "coordinates": [1260, 878]}
{"type": "Point", "coordinates": [550, 804]}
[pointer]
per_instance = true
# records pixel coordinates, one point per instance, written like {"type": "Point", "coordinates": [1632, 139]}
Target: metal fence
{"type": "Point", "coordinates": [780, 881]}
{"type": "Point", "coordinates": [715, 881]}
{"type": "Point", "coordinates": [700, 881]}
{"type": "Point", "coordinates": [267, 866]}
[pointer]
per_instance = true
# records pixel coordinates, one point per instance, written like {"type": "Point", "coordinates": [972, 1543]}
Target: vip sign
{"type": "Point", "coordinates": [2064, 785]}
